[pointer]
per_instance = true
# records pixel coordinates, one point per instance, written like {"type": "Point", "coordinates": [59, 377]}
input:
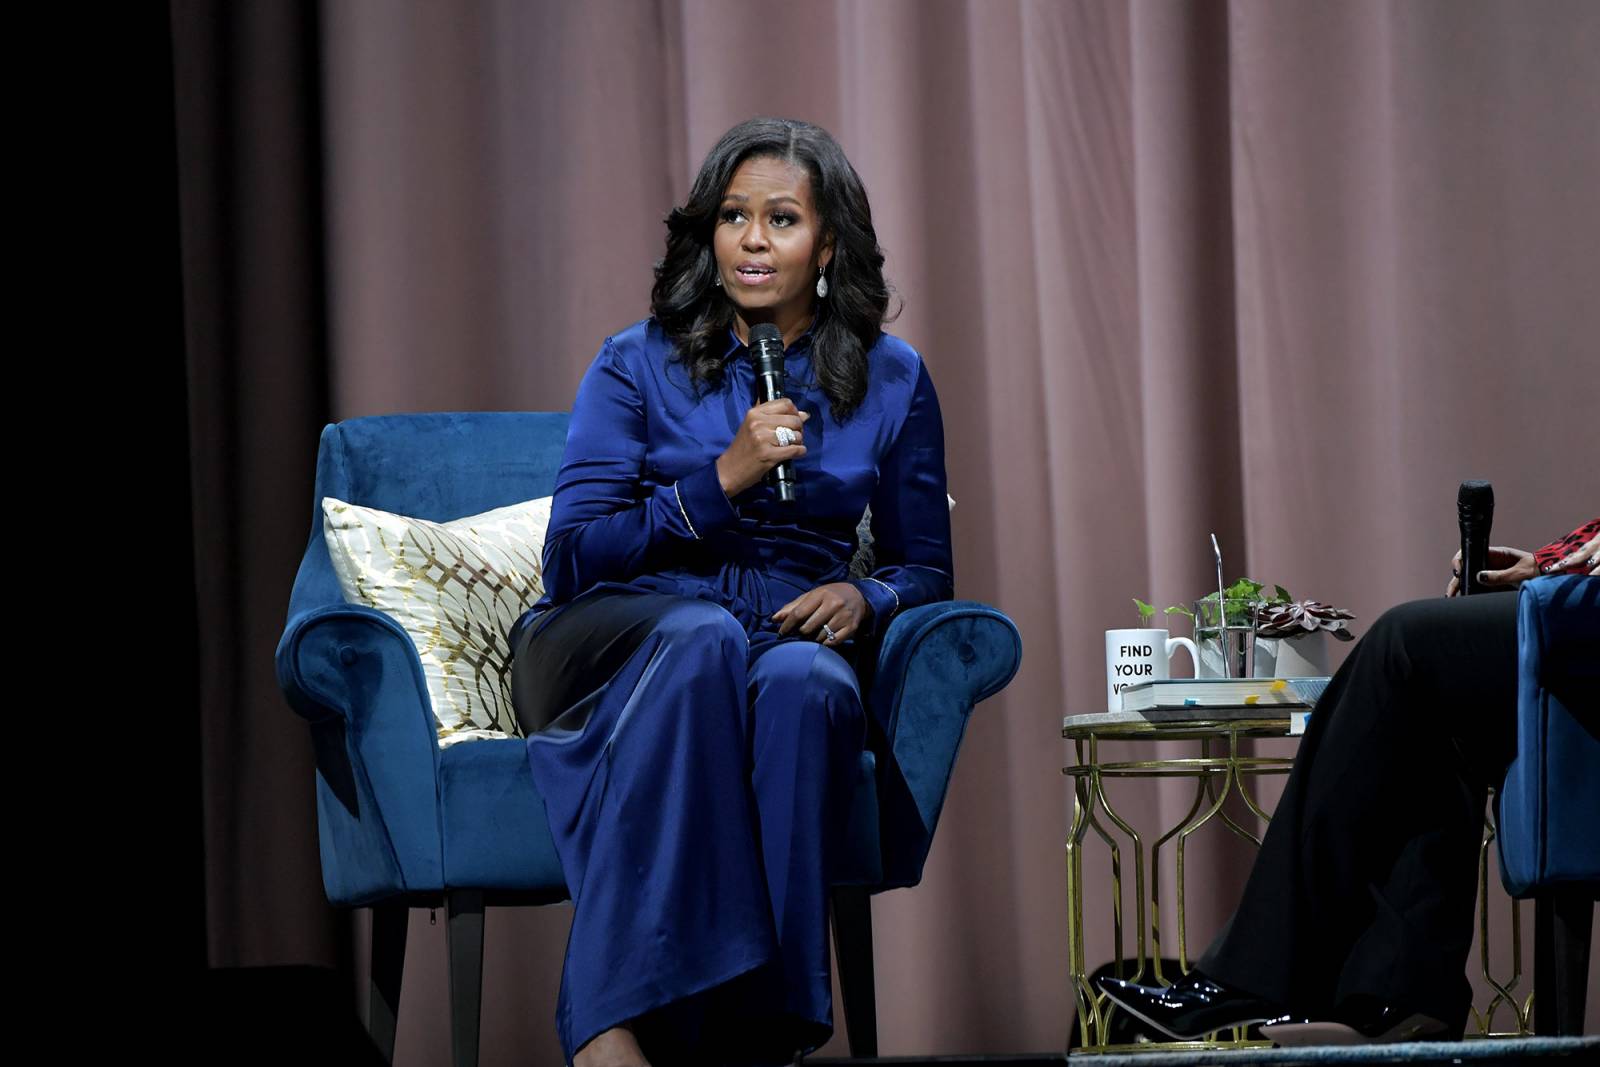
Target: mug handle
{"type": "Point", "coordinates": [1188, 646]}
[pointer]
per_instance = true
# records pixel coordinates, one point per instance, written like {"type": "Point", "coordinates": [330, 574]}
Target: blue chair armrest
{"type": "Point", "coordinates": [936, 662]}
{"type": "Point", "coordinates": [354, 674]}
{"type": "Point", "coordinates": [1550, 799]}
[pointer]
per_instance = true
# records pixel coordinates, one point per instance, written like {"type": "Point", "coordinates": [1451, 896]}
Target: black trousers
{"type": "Point", "coordinates": [1367, 875]}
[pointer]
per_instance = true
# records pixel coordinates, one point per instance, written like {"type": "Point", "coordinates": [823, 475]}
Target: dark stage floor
{"type": "Point", "coordinates": [1482, 1052]}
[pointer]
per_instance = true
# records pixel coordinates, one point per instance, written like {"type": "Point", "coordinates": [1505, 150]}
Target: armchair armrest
{"type": "Point", "coordinates": [1550, 799]}
{"type": "Point", "coordinates": [354, 674]}
{"type": "Point", "coordinates": [936, 662]}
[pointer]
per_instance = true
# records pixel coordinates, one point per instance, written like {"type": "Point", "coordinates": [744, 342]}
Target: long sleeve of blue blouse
{"type": "Point", "coordinates": [611, 522]}
{"type": "Point", "coordinates": [638, 501]}
{"type": "Point", "coordinates": [911, 515]}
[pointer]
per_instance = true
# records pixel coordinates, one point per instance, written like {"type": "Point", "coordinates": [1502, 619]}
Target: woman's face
{"type": "Point", "coordinates": [769, 244]}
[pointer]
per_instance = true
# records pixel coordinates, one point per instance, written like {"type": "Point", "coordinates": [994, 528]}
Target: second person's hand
{"type": "Point", "coordinates": [1508, 568]}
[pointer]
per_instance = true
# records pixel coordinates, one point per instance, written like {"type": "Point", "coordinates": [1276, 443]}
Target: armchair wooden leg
{"type": "Point", "coordinates": [388, 961]}
{"type": "Point", "coordinates": [852, 943]}
{"type": "Point", "coordinates": [1562, 920]}
{"type": "Point", "coordinates": [465, 935]}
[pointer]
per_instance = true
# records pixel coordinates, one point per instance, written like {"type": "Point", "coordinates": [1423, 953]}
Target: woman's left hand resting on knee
{"type": "Point", "coordinates": [829, 613]}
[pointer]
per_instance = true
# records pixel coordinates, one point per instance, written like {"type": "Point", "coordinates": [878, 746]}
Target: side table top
{"type": "Point", "coordinates": [1184, 723]}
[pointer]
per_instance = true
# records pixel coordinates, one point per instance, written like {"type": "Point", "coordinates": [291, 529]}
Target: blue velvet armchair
{"type": "Point", "coordinates": [1549, 817]}
{"type": "Point", "coordinates": [403, 823]}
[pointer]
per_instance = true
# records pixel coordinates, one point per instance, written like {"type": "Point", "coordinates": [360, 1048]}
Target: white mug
{"type": "Point", "coordinates": [1134, 656]}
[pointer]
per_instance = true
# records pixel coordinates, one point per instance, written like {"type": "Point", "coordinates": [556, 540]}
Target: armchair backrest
{"type": "Point", "coordinates": [431, 466]}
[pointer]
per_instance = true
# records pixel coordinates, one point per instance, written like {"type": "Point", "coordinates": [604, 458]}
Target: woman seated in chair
{"type": "Point", "coordinates": [694, 720]}
{"type": "Point", "coordinates": [1356, 920]}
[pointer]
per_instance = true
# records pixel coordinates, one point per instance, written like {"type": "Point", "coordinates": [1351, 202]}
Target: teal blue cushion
{"type": "Point", "coordinates": [495, 833]}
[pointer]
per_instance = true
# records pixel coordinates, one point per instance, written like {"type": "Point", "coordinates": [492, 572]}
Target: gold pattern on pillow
{"type": "Point", "coordinates": [456, 587]}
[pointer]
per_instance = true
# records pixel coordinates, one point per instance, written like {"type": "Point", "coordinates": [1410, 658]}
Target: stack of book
{"type": "Point", "coordinates": [1181, 699]}
{"type": "Point", "coordinates": [1244, 696]}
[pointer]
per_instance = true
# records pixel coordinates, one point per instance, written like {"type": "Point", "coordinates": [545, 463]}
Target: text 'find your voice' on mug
{"type": "Point", "coordinates": [1134, 656]}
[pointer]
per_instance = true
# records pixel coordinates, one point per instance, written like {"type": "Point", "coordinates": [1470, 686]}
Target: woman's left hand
{"type": "Point", "coordinates": [829, 613]}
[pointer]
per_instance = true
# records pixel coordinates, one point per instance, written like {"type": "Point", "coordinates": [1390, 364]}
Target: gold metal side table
{"type": "Point", "coordinates": [1219, 772]}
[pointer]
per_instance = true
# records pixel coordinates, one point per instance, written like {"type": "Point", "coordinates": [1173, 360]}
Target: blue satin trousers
{"type": "Point", "coordinates": [696, 778]}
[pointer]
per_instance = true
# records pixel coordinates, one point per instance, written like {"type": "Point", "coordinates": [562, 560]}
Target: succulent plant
{"type": "Point", "coordinates": [1297, 618]}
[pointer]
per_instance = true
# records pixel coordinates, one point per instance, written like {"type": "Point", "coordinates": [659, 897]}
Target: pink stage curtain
{"type": "Point", "coordinates": [1285, 271]}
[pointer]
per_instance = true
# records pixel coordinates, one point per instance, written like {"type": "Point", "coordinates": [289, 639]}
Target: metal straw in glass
{"type": "Point", "coordinates": [1222, 612]}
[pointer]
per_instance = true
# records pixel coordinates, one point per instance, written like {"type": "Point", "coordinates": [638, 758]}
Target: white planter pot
{"type": "Point", "coordinates": [1292, 657]}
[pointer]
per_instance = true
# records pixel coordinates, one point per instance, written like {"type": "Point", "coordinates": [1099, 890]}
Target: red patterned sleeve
{"type": "Point", "coordinates": [1559, 549]}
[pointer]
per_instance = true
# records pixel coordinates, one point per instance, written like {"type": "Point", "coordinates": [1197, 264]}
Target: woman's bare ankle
{"type": "Point", "coordinates": [615, 1047]}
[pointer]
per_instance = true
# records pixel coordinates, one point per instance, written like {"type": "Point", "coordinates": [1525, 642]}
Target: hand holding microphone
{"type": "Point", "coordinates": [1508, 568]}
{"type": "Point", "coordinates": [1469, 569]}
{"type": "Point", "coordinates": [1480, 567]}
{"type": "Point", "coordinates": [766, 352]}
{"type": "Point", "coordinates": [772, 434]}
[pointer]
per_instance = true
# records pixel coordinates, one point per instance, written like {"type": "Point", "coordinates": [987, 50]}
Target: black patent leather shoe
{"type": "Point", "coordinates": [1360, 1020]}
{"type": "Point", "coordinates": [1193, 1006]}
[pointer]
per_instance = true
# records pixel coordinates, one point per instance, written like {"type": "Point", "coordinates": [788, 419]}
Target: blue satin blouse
{"type": "Point", "coordinates": [637, 500]}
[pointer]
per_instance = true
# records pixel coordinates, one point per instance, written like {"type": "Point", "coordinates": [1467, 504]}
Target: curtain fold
{"type": "Point", "coordinates": [249, 170]}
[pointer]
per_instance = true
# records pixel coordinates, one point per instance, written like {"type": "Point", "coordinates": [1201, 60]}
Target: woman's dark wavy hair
{"type": "Point", "coordinates": [696, 314]}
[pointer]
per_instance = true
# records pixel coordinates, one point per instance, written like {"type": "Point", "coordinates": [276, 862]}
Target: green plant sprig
{"type": "Point", "coordinates": [1249, 593]}
{"type": "Point", "coordinates": [1243, 589]}
{"type": "Point", "coordinates": [1147, 612]}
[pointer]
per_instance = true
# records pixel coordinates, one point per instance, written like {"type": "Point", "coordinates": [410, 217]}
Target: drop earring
{"type": "Point", "coordinates": [822, 284]}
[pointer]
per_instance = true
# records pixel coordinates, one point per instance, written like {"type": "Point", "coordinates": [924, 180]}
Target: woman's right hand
{"type": "Point", "coordinates": [755, 449]}
{"type": "Point", "coordinates": [1508, 568]}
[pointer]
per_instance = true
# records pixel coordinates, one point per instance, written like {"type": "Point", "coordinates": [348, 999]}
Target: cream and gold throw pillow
{"type": "Point", "coordinates": [456, 587]}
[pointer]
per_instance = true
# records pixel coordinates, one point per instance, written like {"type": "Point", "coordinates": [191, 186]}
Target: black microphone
{"type": "Point", "coordinates": [1475, 510]}
{"type": "Point", "coordinates": [766, 351]}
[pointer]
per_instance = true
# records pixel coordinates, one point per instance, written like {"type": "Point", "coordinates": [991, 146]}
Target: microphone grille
{"type": "Point", "coordinates": [766, 345]}
{"type": "Point", "coordinates": [1475, 497]}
